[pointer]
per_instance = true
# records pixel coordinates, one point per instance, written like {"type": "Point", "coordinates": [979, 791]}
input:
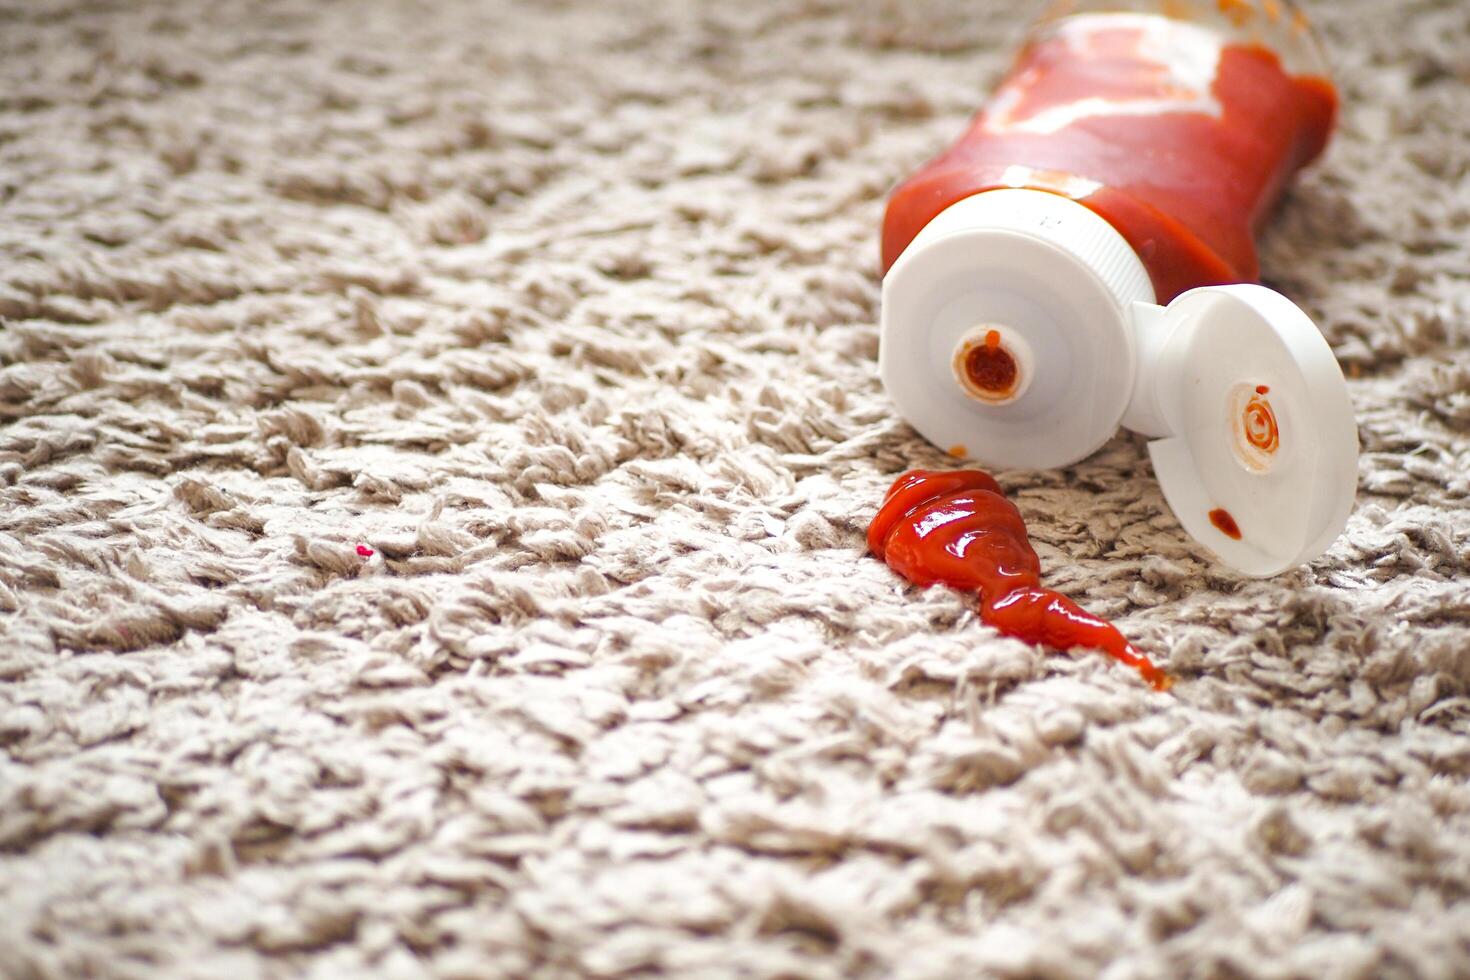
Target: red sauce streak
{"type": "Point", "coordinates": [1220, 517]}
{"type": "Point", "coordinates": [364, 551]}
{"type": "Point", "coordinates": [1262, 390]}
{"type": "Point", "coordinates": [1187, 186]}
{"type": "Point", "coordinates": [957, 528]}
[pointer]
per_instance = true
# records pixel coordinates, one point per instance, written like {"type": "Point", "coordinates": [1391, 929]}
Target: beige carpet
{"type": "Point", "coordinates": [567, 311]}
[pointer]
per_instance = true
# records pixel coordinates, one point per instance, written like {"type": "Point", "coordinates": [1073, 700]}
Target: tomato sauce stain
{"type": "Point", "coordinates": [957, 528]}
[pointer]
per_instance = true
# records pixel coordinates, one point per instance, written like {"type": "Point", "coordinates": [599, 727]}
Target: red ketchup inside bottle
{"type": "Point", "coordinates": [1180, 139]}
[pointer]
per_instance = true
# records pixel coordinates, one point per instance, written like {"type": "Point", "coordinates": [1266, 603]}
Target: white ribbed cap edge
{"type": "Point", "coordinates": [1047, 269]}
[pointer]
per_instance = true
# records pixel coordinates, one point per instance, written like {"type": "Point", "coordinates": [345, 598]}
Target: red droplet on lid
{"type": "Point", "coordinates": [1221, 518]}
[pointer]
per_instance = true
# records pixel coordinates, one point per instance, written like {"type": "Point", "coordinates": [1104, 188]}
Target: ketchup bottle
{"type": "Point", "coordinates": [1126, 161]}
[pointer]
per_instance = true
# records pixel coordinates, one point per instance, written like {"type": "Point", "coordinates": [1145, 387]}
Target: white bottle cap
{"type": "Point", "coordinates": [1019, 329]}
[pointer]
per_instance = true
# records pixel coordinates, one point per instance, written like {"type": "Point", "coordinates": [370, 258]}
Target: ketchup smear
{"type": "Point", "coordinates": [959, 529]}
{"type": "Point", "coordinates": [1181, 142]}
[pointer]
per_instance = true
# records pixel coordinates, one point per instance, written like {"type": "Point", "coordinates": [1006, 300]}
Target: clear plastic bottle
{"type": "Point", "coordinates": [1126, 160]}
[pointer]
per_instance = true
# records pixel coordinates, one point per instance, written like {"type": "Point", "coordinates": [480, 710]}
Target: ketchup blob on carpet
{"type": "Point", "coordinates": [957, 528]}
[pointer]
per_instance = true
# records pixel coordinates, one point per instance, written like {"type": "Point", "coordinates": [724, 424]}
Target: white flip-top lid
{"type": "Point", "coordinates": [1019, 329]}
{"type": "Point", "coordinates": [1259, 450]}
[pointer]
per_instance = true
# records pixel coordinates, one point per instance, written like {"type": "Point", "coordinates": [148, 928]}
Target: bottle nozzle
{"type": "Point", "coordinates": [993, 364]}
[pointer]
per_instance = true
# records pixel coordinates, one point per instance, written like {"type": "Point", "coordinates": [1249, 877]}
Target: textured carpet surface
{"type": "Point", "coordinates": [566, 313]}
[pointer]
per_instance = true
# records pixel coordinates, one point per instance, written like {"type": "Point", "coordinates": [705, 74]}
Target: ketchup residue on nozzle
{"type": "Point", "coordinates": [1259, 423]}
{"type": "Point", "coordinates": [990, 367]}
{"type": "Point", "coordinates": [957, 528]}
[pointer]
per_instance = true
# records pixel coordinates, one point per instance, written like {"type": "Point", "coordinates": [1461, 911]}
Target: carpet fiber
{"type": "Point", "coordinates": [435, 447]}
